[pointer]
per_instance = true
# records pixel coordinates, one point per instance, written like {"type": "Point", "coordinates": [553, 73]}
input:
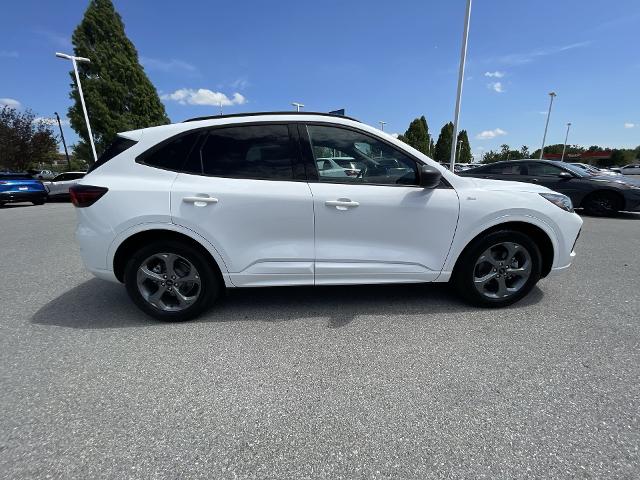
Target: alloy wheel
{"type": "Point", "coordinates": [502, 270]}
{"type": "Point", "coordinates": [169, 282]}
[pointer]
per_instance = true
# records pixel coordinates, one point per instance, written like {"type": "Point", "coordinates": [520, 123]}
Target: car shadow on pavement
{"type": "Point", "coordinates": [96, 304]}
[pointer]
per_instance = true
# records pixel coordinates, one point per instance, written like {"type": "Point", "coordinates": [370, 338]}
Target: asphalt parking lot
{"type": "Point", "coordinates": [332, 382]}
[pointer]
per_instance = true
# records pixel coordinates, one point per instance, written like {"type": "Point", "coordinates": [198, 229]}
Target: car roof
{"type": "Point", "coordinates": [258, 114]}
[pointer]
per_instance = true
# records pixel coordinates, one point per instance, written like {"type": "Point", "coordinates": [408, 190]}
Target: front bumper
{"type": "Point", "coordinates": [632, 201]}
{"type": "Point", "coordinates": [26, 196]}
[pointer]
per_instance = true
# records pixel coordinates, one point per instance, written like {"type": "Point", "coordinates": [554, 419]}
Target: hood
{"type": "Point", "coordinates": [504, 185]}
{"type": "Point", "coordinates": [616, 180]}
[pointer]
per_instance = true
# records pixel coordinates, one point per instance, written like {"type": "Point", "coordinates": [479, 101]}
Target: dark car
{"type": "Point", "coordinates": [21, 187]}
{"type": "Point", "coordinates": [596, 194]}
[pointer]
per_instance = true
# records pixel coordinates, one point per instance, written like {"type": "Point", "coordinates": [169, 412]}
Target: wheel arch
{"type": "Point", "coordinates": [137, 239]}
{"type": "Point", "coordinates": [536, 233]}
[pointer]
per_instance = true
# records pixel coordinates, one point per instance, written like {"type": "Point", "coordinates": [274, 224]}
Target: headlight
{"type": "Point", "coordinates": [559, 200]}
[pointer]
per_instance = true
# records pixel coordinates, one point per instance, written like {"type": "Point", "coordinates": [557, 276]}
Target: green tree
{"type": "Point", "coordinates": [24, 141]}
{"type": "Point", "coordinates": [118, 94]}
{"type": "Point", "coordinates": [443, 147]}
{"type": "Point", "coordinates": [417, 135]}
{"type": "Point", "coordinates": [524, 152]}
{"type": "Point", "coordinates": [464, 154]}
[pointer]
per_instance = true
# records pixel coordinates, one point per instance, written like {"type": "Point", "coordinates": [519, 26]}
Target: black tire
{"type": "Point", "coordinates": [209, 287]}
{"type": "Point", "coordinates": [463, 275]}
{"type": "Point", "coordinates": [602, 204]}
{"type": "Point", "coordinates": [39, 202]}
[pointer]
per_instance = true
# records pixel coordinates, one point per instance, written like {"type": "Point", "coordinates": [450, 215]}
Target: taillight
{"type": "Point", "coordinates": [86, 195]}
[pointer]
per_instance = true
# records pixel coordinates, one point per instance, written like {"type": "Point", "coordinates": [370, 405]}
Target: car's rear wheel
{"type": "Point", "coordinates": [38, 202]}
{"type": "Point", "coordinates": [602, 204]}
{"type": "Point", "coordinates": [498, 269]}
{"type": "Point", "coordinates": [171, 281]}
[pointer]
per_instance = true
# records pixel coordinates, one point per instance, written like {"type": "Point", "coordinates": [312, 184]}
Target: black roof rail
{"type": "Point", "coordinates": [253, 114]}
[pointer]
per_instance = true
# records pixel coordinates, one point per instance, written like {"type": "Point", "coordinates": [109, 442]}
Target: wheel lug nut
{"type": "Point", "coordinates": [164, 276]}
{"type": "Point", "coordinates": [162, 284]}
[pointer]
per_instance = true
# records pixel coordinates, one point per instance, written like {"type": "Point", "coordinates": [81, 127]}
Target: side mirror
{"type": "Point", "coordinates": [429, 177]}
{"type": "Point", "coordinates": [565, 175]}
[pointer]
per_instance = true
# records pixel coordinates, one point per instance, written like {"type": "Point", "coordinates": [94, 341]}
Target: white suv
{"type": "Point", "coordinates": [179, 212]}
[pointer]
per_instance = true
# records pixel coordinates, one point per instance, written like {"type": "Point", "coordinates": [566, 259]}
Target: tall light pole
{"type": "Point", "coordinates": [463, 59]}
{"type": "Point", "coordinates": [220, 104]}
{"type": "Point", "coordinates": [64, 144]}
{"type": "Point", "coordinates": [565, 141]}
{"type": "Point", "coordinates": [382, 124]}
{"type": "Point", "coordinates": [552, 95]}
{"type": "Point", "coordinates": [297, 105]}
{"type": "Point", "coordinates": [74, 61]}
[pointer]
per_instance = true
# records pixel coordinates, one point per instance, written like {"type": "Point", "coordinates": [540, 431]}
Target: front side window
{"type": "Point", "coordinates": [347, 156]}
{"type": "Point", "coordinates": [256, 151]}
{"type": "Point", "coordinates": [544, 170]}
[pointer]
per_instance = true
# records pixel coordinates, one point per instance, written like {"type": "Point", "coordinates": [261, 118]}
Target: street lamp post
{"type": "Point", "coordinates": [297, 105]}
{"type": "Point", "coordinates": [552, 95]}
{"type": "Point", "coordinates": [565, 141]}
{"type": "Point", "coordinates": [74, 61]}
{"type": "Point", "coordinates": [64, 144]}
{"type": "Point", "coordinates": [463, 59]}
{"type": "Point", "coordinates": [382, 124]}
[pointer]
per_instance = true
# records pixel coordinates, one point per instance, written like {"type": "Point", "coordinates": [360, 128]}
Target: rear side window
{"type": "Point", "coordinates": [119, 145]}
{"type": "Point", "coordinates": [173, 154]}
{"type": "Point", "coordinates": [258, 151]}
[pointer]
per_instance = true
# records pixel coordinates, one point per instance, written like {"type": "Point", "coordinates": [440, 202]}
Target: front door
{"type": "Point", "coordinates": [378, 226]}
{"type": "Point", "coordinates": [239, 193]}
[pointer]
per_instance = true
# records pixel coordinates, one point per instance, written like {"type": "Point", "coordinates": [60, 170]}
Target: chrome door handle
{"type": "Point", "coordinates": [200, 201]}
{"type": "Point", "coordinates": [341, 204]}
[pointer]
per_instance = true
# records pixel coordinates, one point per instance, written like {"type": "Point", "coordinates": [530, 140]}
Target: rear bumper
{"type": "Point", "coordinates": [34, 196]}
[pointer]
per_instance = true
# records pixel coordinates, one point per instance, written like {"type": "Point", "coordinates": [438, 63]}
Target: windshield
{"type": "Point", "coordinates": [579, 171]}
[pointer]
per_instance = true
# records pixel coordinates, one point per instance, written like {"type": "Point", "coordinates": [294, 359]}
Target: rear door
{"type": "Point", "coordinates": [243, 190]}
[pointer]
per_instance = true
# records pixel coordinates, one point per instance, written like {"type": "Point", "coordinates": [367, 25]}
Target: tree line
{"type": "Point", "coordinates": [418, 136]}
{"type": "Point", "coordinates": [618, 156]}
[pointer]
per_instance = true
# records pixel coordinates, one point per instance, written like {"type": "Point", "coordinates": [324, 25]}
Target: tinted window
{"type": "Point", "coordinates": [118, 146]}
{"type": "Point", "coordinates": [173, 154]}
{"type": "Point", "coordinates": [501, 169]}
{"type": "Point", "coordinates": [15, 176]}
{"type": "Point", "coordinates": [544, 169]}
{"type": "Point", "coordinates": [374, 161]}
{"type": "Point", "coordinates": [257, 151]}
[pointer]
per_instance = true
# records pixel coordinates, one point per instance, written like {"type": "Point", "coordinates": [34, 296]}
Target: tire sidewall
{"type": "Point", "coordinates": [209, 285]}
{"type": "Point", "coordinates": [463, 275]}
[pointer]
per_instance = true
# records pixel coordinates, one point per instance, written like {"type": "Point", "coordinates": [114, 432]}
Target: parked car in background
{"type": "Point", "coordinates": [21, 187]}
{"type": "Point", "coordinates": [597, 194]}
{"type": "Point", "coordinates": [58, 187]}
{"type": "Point", "coordinates": [633, 169]}
{"type": "Point", "coordinates": [595, 170]}
{"type": "Point", "coordinates": [41, 174]}
{"type": "Point", "coordinates": [180, 212]}
{"type": "Point", "coordinates": [328, 166]}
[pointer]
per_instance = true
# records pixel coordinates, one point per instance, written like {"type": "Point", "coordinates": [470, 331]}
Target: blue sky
{"type": "Point", "coordinates": [380, 60]}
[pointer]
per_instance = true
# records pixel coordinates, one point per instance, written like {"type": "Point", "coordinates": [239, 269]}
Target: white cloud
{"type": "Point", "coordinates": [630, 125]}
{"type": "Point", "coordinates": [489, 134]}
{"type": "Point", "coordinates": [496, 87]}
{"type": "Point", "coordinates": [172, 65]}
{"type": "Point", "coordinates": [240, 83]}
{"type": "Point", "coordinates": [9, 102]}
{"type": "Point", "coordinates": [9, 54]}
{"type": "Point", "coordinates": [495, 74]}
{"type": "Point", "coordinates": [204, 96]}
{"type": "Point", "coordinates": [51, 121]}
{"type": "Point", "coordinates": [528, 57]}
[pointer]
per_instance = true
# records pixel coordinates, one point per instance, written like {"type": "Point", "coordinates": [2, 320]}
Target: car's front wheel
{"type": "Point", "coordinates": [498, 269]}
{"type": "Point", "coordinates": [171, 281]}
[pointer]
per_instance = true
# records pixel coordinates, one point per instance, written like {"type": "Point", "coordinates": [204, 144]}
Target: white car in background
{"type": "Point", "coordinates": [633, 169]}
{"type": "Point", "coordinates": [58, 187]}
{"type": "Point", "coordinates": [328, 166]}
{"type": "Point", "coordinates": [180, 212]}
